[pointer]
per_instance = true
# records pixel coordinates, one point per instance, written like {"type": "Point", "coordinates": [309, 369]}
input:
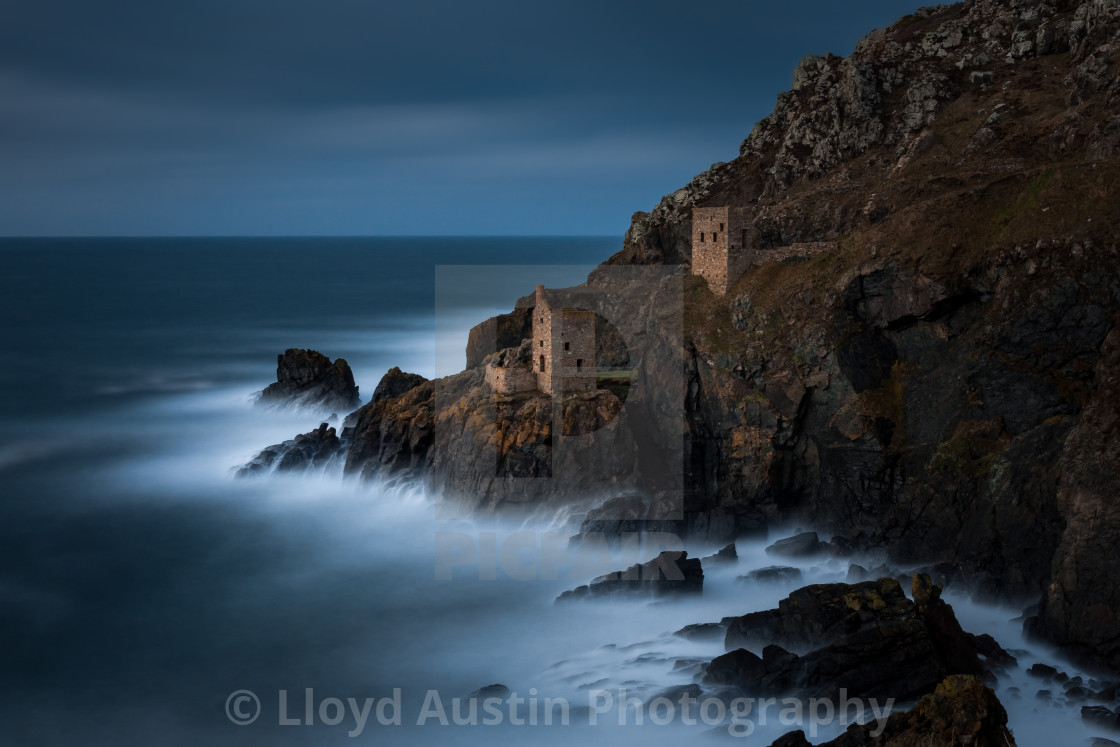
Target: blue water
{"type": "Point", "coordinates": [141, 584]}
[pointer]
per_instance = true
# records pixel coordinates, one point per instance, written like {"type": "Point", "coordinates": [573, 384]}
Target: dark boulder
{"type": "Point", "coordinates": [727, 554]}
{"type": "Point", "coordinates": [996, 659]}
{"type": "Point", "coordinates": [804, 545]}
{"type": "Point", "coordinates": [774, 574]}
{"type": "Point", "coordinates": [1101, 716]}
{"type": "Point", "coordinates": [736, 668]}
{"type": "Point", "coordinates": [1043, 671]}
{"type": "Point", "coordinates": [671, 572]}
{"type": "Point", "coordinates": [703, 632]}
{"type": "Point", "coordinates": [312, 450]}
{"type": "Point", "coordinates": [857, 573]}
{"type": "Point", "coordinates": [307, 378]}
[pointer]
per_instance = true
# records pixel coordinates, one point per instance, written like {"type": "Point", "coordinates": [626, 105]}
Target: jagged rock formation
{"type": "Point", "coordinates": [962, 710]}
{"type": "Point", "coordinates": [867, 639]}
{"type": "Point", "coordinates": [307, 378]}
{"type": "Point", "coordinates": [726, 555]}
{"type": "Point", "coordinates": [804, 545]}
{"type": "Point", "coordinates": [313, 450]}
{"type": "Point", "coordinates": [484, 449]}
{"type": "Point", "coordinates": [394, 383]}
{"type": "Point", "coordinates": [671, 572]}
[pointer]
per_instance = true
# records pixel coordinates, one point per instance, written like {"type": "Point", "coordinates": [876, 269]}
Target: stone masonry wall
{"type": "Point", "coordinates": [542, 342]}
{"type": "Point", "coordinates": [719, 246]}
{"type": "Point", "coordinates": [563, 357]}
{"type": "Point", "coordinates": [574, 350]}
{"type": "Point", "coordinates": [510, 380]}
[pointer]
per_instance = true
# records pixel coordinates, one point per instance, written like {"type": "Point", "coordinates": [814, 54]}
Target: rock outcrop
{"type": "Point", "coordinates": [394, 383]}
{"type": "Point", "coordinates": [961, 710]}
{"type": "Point", "coordinates": [804, 545]}
{"type": "Point", "coordinates": [671, 572]}
{"type": "Point", "coordinates": [490, 451]}
{"type": "Point", "coordinates": [316, 449]}
{"type": "Point", "coordinates": [307, 378]}
{"type": "Point", "coordinates": [867, 639]}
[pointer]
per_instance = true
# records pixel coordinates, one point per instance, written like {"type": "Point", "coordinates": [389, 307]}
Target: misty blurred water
{"type": "Point", "coordinates": [141, 584]}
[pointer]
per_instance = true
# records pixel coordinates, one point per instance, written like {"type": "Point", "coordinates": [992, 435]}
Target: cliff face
{"type": "Point", "coordinates": [489, 452]}
{"type": "Point", "coordinates": [941, 384]}
{"type": "Point", "coordinates": [960, 102]}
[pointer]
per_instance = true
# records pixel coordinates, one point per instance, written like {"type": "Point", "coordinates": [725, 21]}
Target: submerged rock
{"type": "Point", "coordinates": [307, 378]}
{"type": "Point", "coordinates": [671, 572]}
{"type": "Point", "coordinates": [775, 574]}
{"type": "Point", "coordinates": [497, 690]}
{"type": "Point", "coordinates": [1101, 716]}
{"type": "Point", "coordinates": [804, 545]}
{"type": "Point", "coordinates": [703, 632]}
{"type": "Point", "coordinates": [727, 554]}
{"type": "Point", "coordinates": [996, 659]}
{"type": "Point", "coordinates": [1044, 671]}
{"type": "Point", "coordinates": [311, 450]}
{"type": "Point", "coordinates": [858, 573]}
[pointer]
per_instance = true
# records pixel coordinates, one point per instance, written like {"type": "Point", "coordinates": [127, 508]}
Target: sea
{"type": "Point", "coordinates": [150, 597]}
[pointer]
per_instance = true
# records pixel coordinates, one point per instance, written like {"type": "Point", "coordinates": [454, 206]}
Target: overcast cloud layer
{"type": "Point", "coordinates": [229, 117]}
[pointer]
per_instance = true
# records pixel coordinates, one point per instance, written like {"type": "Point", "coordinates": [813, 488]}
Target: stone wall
{"type": "Point", "coordinates": [542, 362]}
{"type": "Point", "coordinates": [573, 353]}
{"type": "Point", "coordinates": [724, 245]}
{"type": "Point", "coordinates": [510, 380]}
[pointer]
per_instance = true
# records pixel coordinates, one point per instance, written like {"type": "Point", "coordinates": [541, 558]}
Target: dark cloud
{"type": "Point", "coordinates": [281, 117]}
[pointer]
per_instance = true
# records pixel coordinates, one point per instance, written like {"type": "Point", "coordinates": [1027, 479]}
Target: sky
{"type": "Point", "coordinates": [359, 117]}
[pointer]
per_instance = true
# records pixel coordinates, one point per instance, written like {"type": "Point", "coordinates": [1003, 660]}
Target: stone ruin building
{"type": "Point", "coordinates": [724, 245]}
{"type": "Point", "coordinates": [560, 357]}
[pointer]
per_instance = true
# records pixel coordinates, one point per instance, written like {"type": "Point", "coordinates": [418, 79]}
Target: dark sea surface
{"type": "Point", "coordinates": [142, 585]}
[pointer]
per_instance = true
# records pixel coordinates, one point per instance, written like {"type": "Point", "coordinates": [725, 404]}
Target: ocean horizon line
{"type": "Point", "coordinates": [127, 237]}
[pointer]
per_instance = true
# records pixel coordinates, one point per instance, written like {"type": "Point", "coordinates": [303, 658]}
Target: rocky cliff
{"type": "Point", "coordinates": [940, 385]}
